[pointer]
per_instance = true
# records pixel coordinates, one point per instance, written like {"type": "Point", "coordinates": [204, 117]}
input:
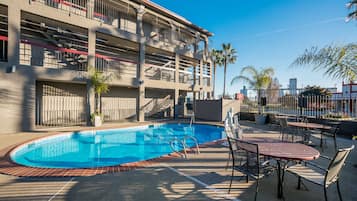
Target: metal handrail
{"type": "Point", "coordinates": [192, 120]}
{"type": "Point", "coordinates": [195, 141]}
{"type": "Point", "coordinates": [177, 151]}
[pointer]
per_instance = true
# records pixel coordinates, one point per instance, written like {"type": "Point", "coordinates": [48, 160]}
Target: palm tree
{"type": "Point", "coordinates": [338, 61]}
{"type": "Point", "coordinates": [229, 57]}
{"type": "Point", "coordinates": [99, 82]}
{"type": "Point", "coordinates": [217, 60]}
{"type": "Point", "coordinates": [350, 5]}
{"type": "Point", "coordinates": [258, 80]}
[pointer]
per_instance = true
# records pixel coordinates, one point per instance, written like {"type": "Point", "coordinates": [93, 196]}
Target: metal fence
{"type": "Point", "coordinates": [60, 106]}
{"type": "Point", "coordinates": [319, 106]}
{"type": "Point", "coordinates": [118, 108]}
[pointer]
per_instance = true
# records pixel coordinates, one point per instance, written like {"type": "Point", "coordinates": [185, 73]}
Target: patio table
{"type": "Point", "coordinates": [306, 125]}
{"type": "Point", "coordinates": [309, 126]}
{"type": "Point", "coordinates": [284, 151]}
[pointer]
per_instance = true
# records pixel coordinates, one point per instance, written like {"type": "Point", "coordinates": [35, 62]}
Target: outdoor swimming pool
{"type": "Point", "coordinates": [89, 149]}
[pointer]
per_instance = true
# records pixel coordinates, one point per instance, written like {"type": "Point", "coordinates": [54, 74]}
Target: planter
{"type": "Point", "coordinates": [260, 119]}
{"type": "Point", "coordinates": [97, 121]}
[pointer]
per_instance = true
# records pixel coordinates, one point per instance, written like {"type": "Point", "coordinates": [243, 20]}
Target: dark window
{"type": "Point", "coordinates": [3, 50]}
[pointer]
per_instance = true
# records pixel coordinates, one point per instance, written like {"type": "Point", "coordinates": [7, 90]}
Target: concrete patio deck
{"type": "Point", "coordinates": [201, 177]}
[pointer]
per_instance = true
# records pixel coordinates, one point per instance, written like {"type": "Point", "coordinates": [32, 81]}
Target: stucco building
{"type": "Point", "coordinates": [47, 47]}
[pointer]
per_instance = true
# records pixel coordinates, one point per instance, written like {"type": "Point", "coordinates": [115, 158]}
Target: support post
{"type": "Point", "coordinates": [176, 105]}
{"type": "Point", "coordinates": [14, 34]}
{"type": "Point", "coordinates": [140, 67]}
{"type": "Point", "coordinates": [91, 64]}
{"type": "Point", "coordinates": [90, 9]}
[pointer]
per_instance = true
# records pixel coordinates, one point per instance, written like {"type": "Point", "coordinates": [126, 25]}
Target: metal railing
{"type": "Point", "coordinates": [57, 106]}
{"type": "Point", "coordinates": [77, 7]}
{"type": "Point", "coordinates": [316, 106]}
{"type": "Point", "coordinates": [36, 54]}
{"type": "Point", "coordinates": [120, 67]}
{"type": "Point", "coordinates": [160, 73]}
{"type": "Point", "coordinates": [118, 109]}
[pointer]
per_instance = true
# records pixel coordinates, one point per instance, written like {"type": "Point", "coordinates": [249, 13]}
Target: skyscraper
{"type": "Point", "coordinates": [293, 86]}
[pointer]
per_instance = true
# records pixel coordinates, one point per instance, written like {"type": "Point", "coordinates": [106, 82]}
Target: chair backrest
{"type": "Point", "coordinates": [236, 121]}
{"type": "Point", "coordinates": [334, 128]}
{"type": "Point", "coordinates": [283, 122]}
{"type": "Point", "coordinates": [336, 165]}
{"type": "Point", "coordinates": [248, 146]}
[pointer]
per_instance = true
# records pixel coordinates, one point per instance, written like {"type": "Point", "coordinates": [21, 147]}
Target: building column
{"type": "Point", "coordinates": [14, 34]}
{"type": "Point", "coordinates": [201, 73]}
{"type": "Point", "coordinates": [206, 50]}
{"type": "Point", "coordinates": [172, 33]}
{"type": "Point", "coordinates": [176, 105]}
{"type": "Point", "coordinates": [91, 64]}
{"type": "Point", "coordinates": [140, 67]}
{"type": "Point", "coordinates": [177, 68]}
{"type": "Point", "coordinates": [90, 9]}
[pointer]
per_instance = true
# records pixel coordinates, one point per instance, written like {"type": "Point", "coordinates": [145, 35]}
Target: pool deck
{"type": "Point", "coordinates": [200, 177]}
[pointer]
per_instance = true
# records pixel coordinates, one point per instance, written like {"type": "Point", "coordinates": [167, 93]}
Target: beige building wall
{"type": "Point", "coordinates": [18, 79]}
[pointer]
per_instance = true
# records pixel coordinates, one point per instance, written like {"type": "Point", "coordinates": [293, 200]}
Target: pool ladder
{"type": "Point", "coordinates": [184, 145]}
{"type": "Point", "coordinates": [192, 120]}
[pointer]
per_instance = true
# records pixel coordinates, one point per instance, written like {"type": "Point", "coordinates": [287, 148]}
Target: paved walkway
{"type": "Point", "coordinates": [201, 177]}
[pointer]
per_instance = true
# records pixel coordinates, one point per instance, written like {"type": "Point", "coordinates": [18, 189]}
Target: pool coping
{"type": "Point", "coordinates": [9, 167]}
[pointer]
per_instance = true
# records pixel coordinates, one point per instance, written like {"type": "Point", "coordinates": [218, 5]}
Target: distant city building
{"type": "Point", "coordinates": [349, 91]}
{"type": "Point", "coordinates": [346, 99]}
{"type": "Point", "coordinates": [244, 91]}
{"type": "Point", "coordinates": [293, 86]}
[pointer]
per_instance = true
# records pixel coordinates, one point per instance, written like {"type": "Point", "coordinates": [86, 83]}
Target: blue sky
{"type": "Point", "coordinates": [270, 33]}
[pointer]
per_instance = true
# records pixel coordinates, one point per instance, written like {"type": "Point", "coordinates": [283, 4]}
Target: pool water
{"type": "Point", "coordinates": [90, 149]}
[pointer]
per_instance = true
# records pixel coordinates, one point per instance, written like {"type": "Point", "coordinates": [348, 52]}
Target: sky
{"type": "Point", "coordinates": [270, 33]}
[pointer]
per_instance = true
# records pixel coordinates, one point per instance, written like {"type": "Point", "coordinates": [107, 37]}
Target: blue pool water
{"type": "Point", "coordinates": [111, 147]}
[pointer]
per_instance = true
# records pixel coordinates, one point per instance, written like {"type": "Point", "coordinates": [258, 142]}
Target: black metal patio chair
{"type": "Point", "coordinates": [246, 159]}
{"type": "Point", "coordinates": [331, 133]}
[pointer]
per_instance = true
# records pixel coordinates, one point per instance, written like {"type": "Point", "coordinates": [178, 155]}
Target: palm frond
{"type": "Point", "coordinates": [242, 78]}
{"type": "Point", "coordinates": [249, 69]}
{"type": "Point", "coordinates": [336, 61]}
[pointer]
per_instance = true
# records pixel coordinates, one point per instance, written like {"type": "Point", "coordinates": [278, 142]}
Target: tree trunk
{"type": "Point", "coordinates": [224, 82]}
{"type": "Point", "coordinates": [259, 101]}
{"type": "Point", "coordinates": [214, 79]}
{"type": "Point", "coordinates": [97, 109]}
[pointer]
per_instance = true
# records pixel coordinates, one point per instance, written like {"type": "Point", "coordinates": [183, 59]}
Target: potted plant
{"type": "Point", "coordinates": [259, 80]}
{"type": "Point", "coordinates": [99, 83]}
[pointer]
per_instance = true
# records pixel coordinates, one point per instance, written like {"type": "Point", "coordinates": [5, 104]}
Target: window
{"type": "Point", "coordinates": [3, 50]}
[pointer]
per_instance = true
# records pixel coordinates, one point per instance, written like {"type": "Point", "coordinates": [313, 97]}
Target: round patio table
{"type": "Point", "coordinates": [309, 125]}
{"type": "Point", "coordinates": [281, 151]}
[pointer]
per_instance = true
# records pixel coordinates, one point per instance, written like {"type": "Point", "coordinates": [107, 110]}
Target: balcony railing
{"type": "Point", "coordinates": [120, 67]}
{"type": "Point", "coordinates": [77, 7]}
{"type": "Point", "coordinates": [37, 54]}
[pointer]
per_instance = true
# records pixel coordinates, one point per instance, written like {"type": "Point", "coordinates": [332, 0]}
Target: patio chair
{"type": "Point", "coordinates": [321, 176]}
{"type": "Point", "coordinates": [274, 121]}
{"type": "Point", "coordinates": [284, 129]}
{"type": "Point", "coordinates": [332, 133]}
{"type": "Point", "coordinates": [231, 132]}
{"type": "Point", "coordinates": [289, 134]}
{"type": "Point", "coordinates": [246, 159]}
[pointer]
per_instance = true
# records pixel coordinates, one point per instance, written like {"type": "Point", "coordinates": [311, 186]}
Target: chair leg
{"type": "Point", "coordinates": [325, 193]}
{"type": "Point", "coordinates": [338, 190]}
{"type": "Point", "coordinates": [229, 159]}
{"type": "Point", "coordinates": [256, 190]}
{"type": "Point", "coordinates": [230, 184]}
{"type": "Point", "coordinates": [299, 183]}
{"type": "Point", "coordinates": [335, 142]}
